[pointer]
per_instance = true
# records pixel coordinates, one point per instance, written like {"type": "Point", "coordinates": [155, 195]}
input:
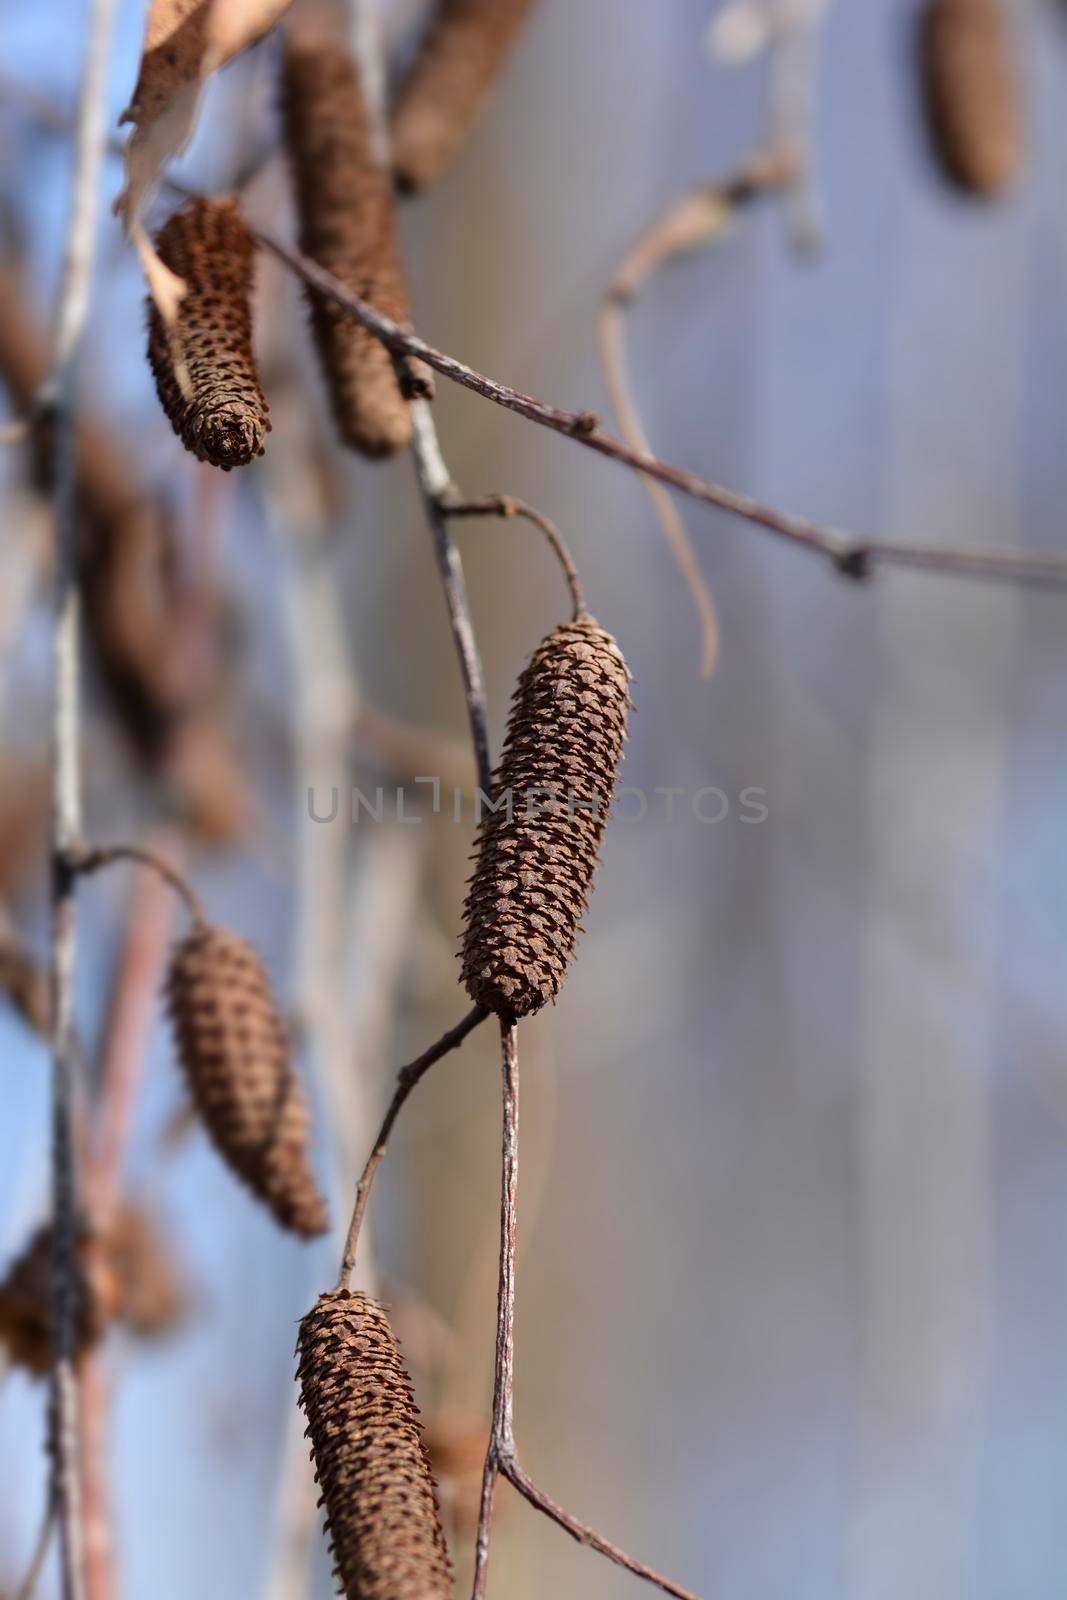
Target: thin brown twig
{"type": "Point", "coordinates": [28, 1587]}
{"type": "Point", "coordinates": [58, 400]}
{"type": "Point", "coordinates": [437, 488]}
{"type": "Point", "coordinates": [440, 495]}
{"type": "Point", "coordinates": [501, 1459]}
{"type": "Point", "coordinates": [502, 1429]}
{"type": "Point", "coordinates": [696, 220]}
{"type": "Point", "coordinates": [853, 555]}
{"type": "Point", "coordinates": [131, 1010]}
{"type": "Point", "coordinates": [407, 1078]}
{"type": "Point", "coordinates": [506, 505]}
{"type": "Point", "coordinates": [94, 1401]}
{"type": "Point", "coordinates": [520, 1480]}
{"type": "Point", "coordinates": [84, 861]}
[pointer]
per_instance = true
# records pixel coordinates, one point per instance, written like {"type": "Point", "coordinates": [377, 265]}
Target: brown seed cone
{"type": "Point", "coordinates": [456, 1448]}
{"type": "Point", "coordinates": [236, 1054]}
{"type": "Point", "coordinates": [534, 872]}
{"type": "Point", "coordinates": [136, 628]}
{"type": "Point", "coordinates": [26, 1299]}
{"type": "Point", "coordinates": [972, 93]}
{"type": "Point", "coordinates": [25, 982]}
{"type": "Point", "coordinates": [152, 1298]}
{"type": "Point", "coordinates": [220, 414]}
{"type": "Point", "coordinates": [449, 82]}
{"type": "Point", "coordinates": [348, 225]}
{"type": "Point", "coordinates": [370, 1460]}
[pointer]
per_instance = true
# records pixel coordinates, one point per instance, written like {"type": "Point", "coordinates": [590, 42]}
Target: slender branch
{"type": "Point", "coordinates": [695, 221]}
{"type": "Point", "coordinates": [502, 1432]}
{"type": "Point", "coordinates": [505, 505]}
{"type": "Point", "coordinates": [520, 1480]}
{"type": "Point", "coordinates": [437, 489]}
{"type": "Point", "coordinates": [28, 1587]}
{"type": "Point", "coordinates": [501, 1459]}
{"type": "Point", "coordinates": [407, 1079]}
{"type": "Point", "coordinates": [82, 862]}
{"type": "Point", "coordinates": [794, 73]}
{"type": "Point", "coordinates": [131, 1012]}
{"type": "Point", "coordinates": [442, 500]}
{"type": "Point", "coordinates": [59, 401]}
{"type": "Point", "coordinates": [94, 1400]}
{"type": "Point", "coordinates": [853, 555]}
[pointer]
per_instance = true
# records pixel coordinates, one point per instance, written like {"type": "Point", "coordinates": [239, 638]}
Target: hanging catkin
{"type": "Point", "coordinates": [204, 368]}
{"type": "Point", "coordinates": [370, 1461]}
{"type": "Point", "coordinates": [347, 224]}
{"type": "Point", "coordinates": [449, 81]}
{"type": "Point", "coordinates": [235, 1051]}
{"type": "Point", "coordinates": [972, 93]}
{"type": "Point", "coordinates": [553, 791]}
{"type": "Point", "coordinates": [26, 1299]}
{"type": "Point", "coordinates": [25, 981]}
{"type": "Point", "coordinates": [152, 1295]}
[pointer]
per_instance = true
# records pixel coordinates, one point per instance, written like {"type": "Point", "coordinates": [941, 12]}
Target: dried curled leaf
{"type": "Point", "coordinates": [185, 42]}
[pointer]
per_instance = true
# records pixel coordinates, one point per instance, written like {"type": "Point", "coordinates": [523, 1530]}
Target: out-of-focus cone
{"type": "Point", "coordinates": [237, 1058]}
{"type": "Point", "coordinates": [972, 93]}
{"type": "Point", "coordinates": [445, 91]}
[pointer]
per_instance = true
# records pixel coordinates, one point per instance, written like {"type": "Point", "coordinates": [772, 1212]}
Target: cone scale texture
{"type": "Point", "coordinates": [345, 207]}
{"type": "Point", "coordinates": [370, 1461]}
{"type": "Point", "coordinates": [971, 93]}
{"type": "Point", "coordinates": [236, 1055]}
{"type": "Point", "coordinates": [450, 80]}
{"type": "Point", "coordinates": [534, 867]}
{"type": "Point", "coordinates": [212, 395]}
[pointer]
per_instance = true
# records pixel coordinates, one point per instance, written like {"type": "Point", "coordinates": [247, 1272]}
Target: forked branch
{"type": "Point", "coordinates": [501, 1458]}
{"type": "Point", "coordinates": [84, 862]}
{"type": "Point", "coordinates": [505, 505]}
{"type": "Point", "coordinates": [695, 221]}
{"type": "Point", "coordinates": [855, 556]}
